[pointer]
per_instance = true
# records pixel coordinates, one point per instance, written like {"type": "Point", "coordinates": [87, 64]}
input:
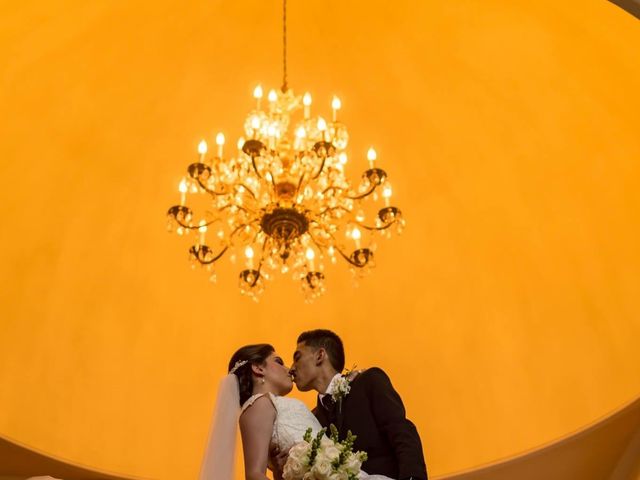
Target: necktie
{"type": "Point", "coordinates": [327, 402]}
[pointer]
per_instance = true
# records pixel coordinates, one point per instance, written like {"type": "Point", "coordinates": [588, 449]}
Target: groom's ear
{"type": "Point", "coordinates": [320, 355]}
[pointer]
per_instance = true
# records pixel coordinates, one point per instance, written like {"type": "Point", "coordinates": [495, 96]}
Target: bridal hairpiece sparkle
{"type": "Point", "coordinates": [237, 365]}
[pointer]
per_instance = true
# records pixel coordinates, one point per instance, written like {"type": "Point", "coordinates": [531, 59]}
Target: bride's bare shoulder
{"type": "Point", "coordinates": [258, 406]}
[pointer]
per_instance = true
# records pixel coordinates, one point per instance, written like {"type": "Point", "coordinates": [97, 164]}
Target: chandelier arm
{"type": "Point", "coordinates": [248, 210]}
{"type": "Point", "coordinates": [332, 187]}
{"type": "Point", "coordinates": [335, 245]}
{"type": "Point", "coordinates": [324, 160]}
{"type": "Point", "coordinates": [195, 227]}
{"type": "Point", "coordinates": [255, 167]}
{"type": "Point", "coordinates": [255, 237]}
{"type": "Point", "coordinates": [237, 229]}
{"type": "Point", "coordinates": [384, 227]}
{"type": "Point", "coordinates": [247, 189]}
{"type": "Point", "coordinates": [320, 246]}
{"type": "Point", "coordinates": [331, 209]}
{"type": "Point", "coordinates": [299, 185]}
{"type": "Point", "coordinates": [273, 182]}
{"type": "Point", "coordinates": [208, 190]}
{"type": "Point", "coordinates": [347, 258]}
{"type": "Point", "coordinates": [363, 195]}
{"type": "Point", "coordinates": [264, 246]}
{"type": "Point", "coordinates": [214, 259]}
{"type": "Point", "coordinates": [357, 197]}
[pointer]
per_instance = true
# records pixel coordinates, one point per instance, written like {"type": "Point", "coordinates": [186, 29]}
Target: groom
{"type": "Point", "coordinates": [371, 409]}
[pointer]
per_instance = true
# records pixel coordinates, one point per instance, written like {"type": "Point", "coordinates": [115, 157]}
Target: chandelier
{"type": "Point", "coordinates": [281, 202]}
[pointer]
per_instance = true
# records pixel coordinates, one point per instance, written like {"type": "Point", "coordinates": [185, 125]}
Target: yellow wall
{"type": "Point", "coordinates": [507, 314]}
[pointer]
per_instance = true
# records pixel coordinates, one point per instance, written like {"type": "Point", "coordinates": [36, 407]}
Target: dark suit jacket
{"type": "Point", "coordinates": [374, 412]}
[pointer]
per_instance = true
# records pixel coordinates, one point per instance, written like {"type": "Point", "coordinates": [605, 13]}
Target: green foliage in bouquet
{"type": "Point", "coordinates": [342, 465]}
{"type": "Point", "coordinates": [307, 435]}
{"type": "Point", "coordinates": [346, 449]}
{"type": "Point", "coordinates": [315, 445]}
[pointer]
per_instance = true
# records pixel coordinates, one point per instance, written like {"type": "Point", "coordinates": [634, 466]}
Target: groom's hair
{"type": "Point", "coordinates": [329, 341]}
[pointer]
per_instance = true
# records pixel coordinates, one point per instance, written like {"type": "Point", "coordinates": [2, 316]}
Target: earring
{"type": "Point", "coordinates": [263, 380]}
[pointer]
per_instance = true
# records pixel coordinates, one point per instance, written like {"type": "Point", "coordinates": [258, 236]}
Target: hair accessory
{"type": "Point", "coordinates": [237, 365]}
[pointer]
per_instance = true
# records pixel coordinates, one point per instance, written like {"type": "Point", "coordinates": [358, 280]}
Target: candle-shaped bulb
{"type": "Point", "coordinates": [257, 94]}
{"type": "Point", "coordinates": [271, 133]}
{"type": "Point", "coordinates": [371, 156]}
{"type": "Point", "coordinates": [310, 254]}
{"type": "Point", "coordinates": [220, 143]}
{"type": "Point", "coordinates": [306, 101]}
{"type": "Point", "coordinates": [273, 96]}
{"type": "Point", "coordinates": [386, 194]}
{"type": "Point", "coordinates": [182, 188]}
{"type": "Point", "coordinates": [202, 147]}
{"type": "Point", "coordinates": [322, 126]}
{"type": "Point", "coordinates": [248, 252]}
{"type": "Point", "coordinates": [255, 122]}
{"type": "Point", "coordinates": [240, 143]}
{"type": "Point", "coordinates": [356, 235]}
{"type": "Point", "coordinates": [342, 158]}
{"type": "Point", "coordinates": [301, 132]}
{"type": "Point", "coordinates": [335, 106]}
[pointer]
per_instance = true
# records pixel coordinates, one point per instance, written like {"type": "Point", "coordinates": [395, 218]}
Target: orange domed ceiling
{"type": "Point", "coordinates": [507, 313]}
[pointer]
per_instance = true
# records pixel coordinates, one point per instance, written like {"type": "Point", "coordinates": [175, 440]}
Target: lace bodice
{"type": "Point", "coordinates": [293, 418]}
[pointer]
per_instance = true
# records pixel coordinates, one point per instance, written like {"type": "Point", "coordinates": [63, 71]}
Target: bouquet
{"type": "Point", "coordinates": [324, 458]}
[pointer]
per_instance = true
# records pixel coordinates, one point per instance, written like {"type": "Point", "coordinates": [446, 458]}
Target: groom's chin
{"type": "Point", "coordinates": [302, 388]}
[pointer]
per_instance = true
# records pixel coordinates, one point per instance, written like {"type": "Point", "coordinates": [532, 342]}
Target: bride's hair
{"type": "Point", "coordinates": [241, 362]}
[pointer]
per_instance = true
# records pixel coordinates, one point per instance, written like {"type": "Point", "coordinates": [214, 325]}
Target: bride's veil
{"type": "Point", "coordinates": [219, 455]}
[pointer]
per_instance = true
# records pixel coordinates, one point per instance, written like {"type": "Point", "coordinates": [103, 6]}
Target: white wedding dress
{"type": "Point", "coordinates": [293, 419]}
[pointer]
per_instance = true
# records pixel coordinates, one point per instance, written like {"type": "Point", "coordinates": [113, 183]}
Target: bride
{"type": "Point", "coordinates": [255, 391]}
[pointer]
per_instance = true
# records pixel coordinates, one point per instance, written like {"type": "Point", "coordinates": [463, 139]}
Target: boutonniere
{"type": "Point", "coordinates": [342, 385]}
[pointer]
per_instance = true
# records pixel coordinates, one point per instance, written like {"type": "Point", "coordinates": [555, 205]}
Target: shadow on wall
{"type": "Point", "coordinates": [609, 449]}
{"type": "Point", "coordinates": [631, 6]}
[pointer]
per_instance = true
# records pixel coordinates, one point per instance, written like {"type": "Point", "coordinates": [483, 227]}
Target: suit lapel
{"type": "Point", "coordinates": [324, 416]}
{"type": "Point", "coordinates": [342, 406]}
{"type": "Point", "coordinates": [340, 413]}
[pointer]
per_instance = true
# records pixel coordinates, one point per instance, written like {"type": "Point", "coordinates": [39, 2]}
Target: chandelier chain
{"type": "Point", "coordinates": [284, 46]}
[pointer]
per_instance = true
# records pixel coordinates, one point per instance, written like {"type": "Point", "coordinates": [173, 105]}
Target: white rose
{"type": "Point", "coordinates": [352, 464]}
{"type": "Point", "coordinates": [300, 450]}
{"type": "Point", "coordinates": [293, 469]}
{"type": "Point", "coordinates": [330, 449]}
{"type": "Point", "coordinates": [322, 467]}
{"type": "Point", "coordinates": [296, 465]}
